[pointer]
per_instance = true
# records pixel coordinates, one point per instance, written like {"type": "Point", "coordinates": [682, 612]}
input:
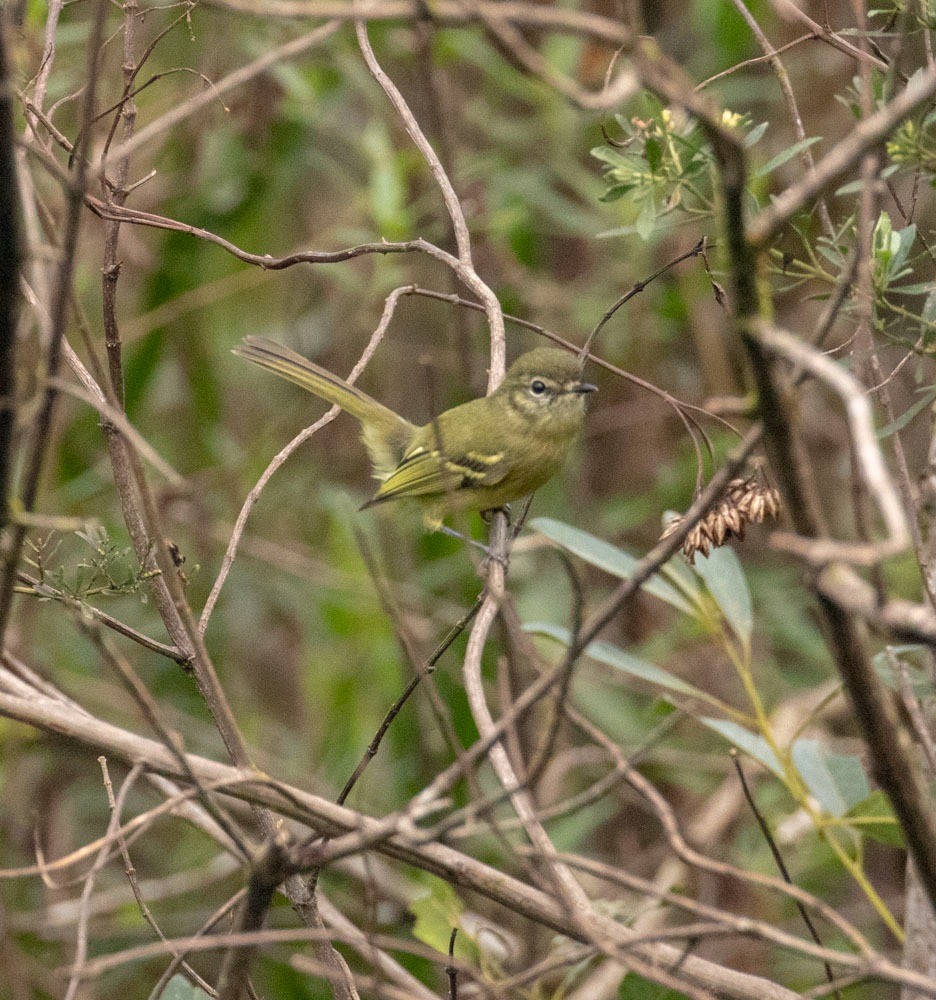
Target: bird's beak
{"type": "Point", "coordinates": [583, 387]}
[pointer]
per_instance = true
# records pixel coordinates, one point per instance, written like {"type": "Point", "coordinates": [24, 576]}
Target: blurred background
{"type": "Point", "coordinates": [309, 156]}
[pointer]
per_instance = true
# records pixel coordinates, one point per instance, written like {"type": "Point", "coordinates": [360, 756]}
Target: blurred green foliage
{"type": "Point", "coordinates": [310, 156]}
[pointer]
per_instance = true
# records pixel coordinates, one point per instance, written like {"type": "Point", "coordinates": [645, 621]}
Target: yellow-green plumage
{"type": "Point", "coordinates": [477, 456]}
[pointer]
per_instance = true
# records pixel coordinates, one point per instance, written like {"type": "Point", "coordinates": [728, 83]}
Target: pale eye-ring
{"type": "Point", "coordinates": [537, 387]}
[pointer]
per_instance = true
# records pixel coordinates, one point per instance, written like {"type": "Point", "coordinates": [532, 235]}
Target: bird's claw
{"type": "Point", "coordinates": [503, 560]}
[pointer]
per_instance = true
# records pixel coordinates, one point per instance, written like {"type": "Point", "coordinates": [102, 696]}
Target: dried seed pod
{"type": "Point", "coordinates": [744, 502]}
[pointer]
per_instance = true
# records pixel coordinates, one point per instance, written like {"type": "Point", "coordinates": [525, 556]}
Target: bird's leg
{"type": "Point", "coordinates": [452, 533]}
{"type": "Point", "coordinates": [488, 515]}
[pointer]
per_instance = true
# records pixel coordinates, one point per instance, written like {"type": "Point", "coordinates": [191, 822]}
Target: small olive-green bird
{"type": "Point", "coordinates": [475, 457]}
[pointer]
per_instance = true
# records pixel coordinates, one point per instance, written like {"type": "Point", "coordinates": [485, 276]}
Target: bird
{"type": "Point", "coordinates": [478, 456]}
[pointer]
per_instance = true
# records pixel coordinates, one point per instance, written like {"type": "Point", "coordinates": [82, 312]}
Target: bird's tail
{"type": "Point", "coordinates": [385, 433]}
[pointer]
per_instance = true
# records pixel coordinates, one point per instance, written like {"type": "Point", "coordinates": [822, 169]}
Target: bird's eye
{"type": "Point", "coordinates": [537, 387]}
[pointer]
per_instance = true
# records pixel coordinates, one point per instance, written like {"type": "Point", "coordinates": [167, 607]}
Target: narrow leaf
{"type": "Point", "coordinates": [179, 988]}
{"type": "Point", "coordinates": [898, 423]}
{"type": "Point", "coordinates": [928, 321]}
{"type": "Point", "coordinates": [437, 910]}
{"type": "Point", "coordinates": [854, 187]}
{"type": "Point", "coordinates": [635, 987]}
{"type": "Point", "coordinates": [615, 192]}
{"type": "Point", "coordinates": [785, 155]}
{"type": "Point", "coordinates": [614, 656]}
{"type": "Point", "coordinates": [608, 557]}
{"type": "Point", "coordinates": [645, 222]}
{"type": "Point", "coordinates": [755, 134]}
{"type": "Point", "coordinates": [726, 582]}
{"type": "Point", "coordinates": [752, 744]}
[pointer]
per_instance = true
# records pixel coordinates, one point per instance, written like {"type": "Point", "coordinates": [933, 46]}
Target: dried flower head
{"type": "Point", "coordinates": [744, 502]}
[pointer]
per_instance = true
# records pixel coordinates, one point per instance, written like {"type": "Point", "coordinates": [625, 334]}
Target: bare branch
{"type": "Point", "coordinates": [290, 50]}
{"type": "Point", "coordinates": [871, 465]}
{"type": "Point", "coordinates": [58, 313]}
{"type": "Point", "coordinates": [835, 165]}
{"type": "Point", "coordinates": [9, 277]}
{"type": "Point", "coordinates": [330, 819]}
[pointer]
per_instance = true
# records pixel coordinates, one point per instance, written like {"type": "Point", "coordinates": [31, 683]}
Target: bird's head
{"type": "Point", "coordinates": [545, 385]}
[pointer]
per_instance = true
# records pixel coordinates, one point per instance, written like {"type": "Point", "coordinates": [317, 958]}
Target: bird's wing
{"type": "Point", "coordinates": [426, 472]}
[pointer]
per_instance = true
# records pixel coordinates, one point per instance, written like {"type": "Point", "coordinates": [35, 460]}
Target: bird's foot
{"type": "Point", "coordinates": [452, 533]}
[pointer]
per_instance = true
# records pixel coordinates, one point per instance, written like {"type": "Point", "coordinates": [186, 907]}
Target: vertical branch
{"type": "Point", "coordinates": [111, 269]}
{"type": "Point", "coordinates": [58, 311]}
{"type": "Point", "coordinates": [885, 736]}
{"type": "Point", "coordinates": [48, 57]}
{"type": "Point", "coordinates": [784, 447]}
{"type": "Point", "coordinates": [266, 873]}
{"type": "Point", "coordinates": [9, 277]}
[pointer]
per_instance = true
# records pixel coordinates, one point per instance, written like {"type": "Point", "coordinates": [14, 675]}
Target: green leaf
{"type": "Point", "coordinates": [608, 155]}
{"type": "Point", "coordinates": [613, 656]}
{"type": "Point", "coordinates": [645, 222]}
{"type": "Point", "coordinates": [881, 237]}
{"type": "Point", "coordinates": [726, 582]}
{"type": "Point", "coordinates": [787, 154]}
{"type": "Point", "coordinates": [890, 250]}
{"type": "Point", "coordinates": [904, 240]}
{"type": "Point", "coordinates": [653, 152]}
{"type": "Point", "coordinates": [837, 780]}
{"type": "Point", "coordinates": [898, 423]}
{"type": "Point", "coordinates": [878, 820]}
{"type": "Point", "coordinates": [608, 557]}
{"type": "Point", "coordinates": [635, 987]}
{"type": "Point", "coordinates": [755, 135]}
{"type": "Point", "coordinates": [928, 321]}
{"type": "Point", "coordinates": [855, 186]}
{"type": "Point", "coordinates": [920, 682]}
{"type": "Point", "coordinates": [179, 988]}
{"type": "Point", "coordinates": [752, 744]}
{"type": "Point", "coordinates": [437, 911]}
{"type": "Point", "coordinates": [616, 191]}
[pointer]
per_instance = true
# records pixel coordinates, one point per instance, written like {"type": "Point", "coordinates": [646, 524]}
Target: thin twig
{"type": "Point", "coordinates": [81, 947]}
{"type": "Point", "coordinates": [280, 458]}
{"type": "Point", "coordinates": [677, 404]}
{"type": "Point", "coordinates": [786, 88]}
{"type": "Point", "coordinates": [427, 668]}
{"type": "Point", "coordinates": [145, 911]}
{"type": "Point", "coordinates": [439, 858]}
{"type": "Point", "coordinates": [844, 155]}
{"type": "Point", "coordinates": [451, 970]}
{"type": "Point", "coordinates": [219, 914]}
{"type": "Point", "coordinates": [465, 268]}
{"type": "Point", "coordinates": [173, 742]}
{"type": "Point", "coordinates": [775, 853]}
{"type": "Point", "coordinates": [637, 288]}
{"type": "Point", "coordinates": [871, 466]}
{"type": "Point", "coordinates": [282, 53]}
{"type": "Point", "coordinates": [45, 591]}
